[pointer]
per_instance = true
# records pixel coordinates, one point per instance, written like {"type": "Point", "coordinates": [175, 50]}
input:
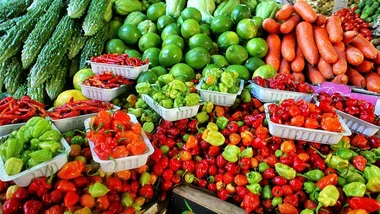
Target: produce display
{"type": "Point", "coordinates": [352, 21]}
{"type": "Point", "coordinates": [34, 143]}
{"type": "Point", "coordinates": [75, 108]}
{"type": "Point", "coordinates": [106, 80]}
{"type": "Point", "coordinates": [21, 110]}
{"type": "Point", "coordinates": [284, 82]}
{"type": "Point", "coordinates": [222, 81]}
{"type": "Point", "coordinates": [117, 59]}
{"type": "Point", "coordinates": [368, 10]}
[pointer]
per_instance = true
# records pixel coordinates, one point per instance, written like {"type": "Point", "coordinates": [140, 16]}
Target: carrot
{"type": "Point", "coordinates": [365, 67]}
{"type": "Point", "coordinates": [321, 20]}
{"type": "Point", "coordinates": [285, 12]}
{"type": "Point", "coordinates": [299, 77]}
{"type": "Point", "coordinates": [373, 82]}
{"type": "Point", "coordinates": [340, 66]}
{"type": "Point", "coordinates": [305, 39]}
{"type": "Point", "coordinates": [274, 51]}
{"type": "Point", "coordinates": [349, 35]}
{"type": "Point", "coordinates": [325, 69]}
{"type": "Point", "coordinates": [334, 29]}
{"type": "Point", "coordinates": [354, 55]}
{"type": "Point", "coordinates": [314, 75]}
{"type": "Point", "coordinates": [288, 47]}
{"type": "Point", "coordinates": [303, 9]}
{"type": "Point", "coordinates": [290, 24]}
{"type": "Point", "coordinates": [355, 78]}
{"type": "Point", "coordinates": [378, 70]}
{"type": "Point", "coordinates": [365, 46]}
{"type": "Point", "coordinates": [340, 79]}
{"type": "Point", "coordinates": [271, 26]}
{"type": "Point", "coordinates": [284, 67]}
{"type": "Point", "coordinates": [325, 48]}
{"type": "Point", "coordinates": [298, 64]}
{"type": "Point", "coordinates": [377, 60]}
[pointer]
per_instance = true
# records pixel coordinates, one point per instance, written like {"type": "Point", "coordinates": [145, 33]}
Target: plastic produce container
{"type": "Point", "coordinates": [7, 129]}
{"type": "Point", "coordinates": [358, 125]}
{"type": "Point", "coordinates": [120, 164]}
{"type": "Point", "coordinates": [300, 133]}
{"type": "Point", "coordinates": [219, 98]}
{"type": "Point", "coordinates": [274, 95]}
{"type": "Point", "coordinates": [172, 114]}
{"type": "Point", "coordinates": [44, 169]}
{"type": "Point", "coordinates": [130, 72]}
{"type": "Point", "coordinates": [102, 94]}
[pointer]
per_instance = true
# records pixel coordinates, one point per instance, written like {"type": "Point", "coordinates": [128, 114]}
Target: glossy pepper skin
{"type": "Point", "coordinates": [254, 188]}
{"type": "Point", "coordinates": [357, 189]}
{"type": "Point", "coordinates": [253, 177]}
{"type": "Point", "coordinates": [231, 153]}
{"type": "Point", "coordinates": [343, 143]}
{"type": "Point", "coordinates": [345, 153]}
{"type": "Point", "coordinates": [40, 186]}
{"type": "Point", "coordinates": [222, 122]}
{"type": "Point", "coordinates": [98, 189]}
{"type": "Point", "coordinates": [370, 156]}
{"type": "Point", "coordinates": [351, 176]}
{"type": "Point", "coordinates": [32, 207]}
{"type": "Point", "coordinates": [328, 197]}
{"type": "Point", "coordinates": [51, 135]}
{"type": "Point", "coordinates": [371, 171]}
{"type": "Point", "coordinates": [52, 146]}
{"type": "Point", "coordinates": [202, 117]}
{"type": "Point", "coordinates": [143, 88]}
{"type": "Point", "coordinates": [314, 175]}
{"type": "Point", "coordinates": [309, 187]}
{"type": "Point", "coordinates": [368, 204]}
{"type": "Point", "coordinates": [13, 166]}
{"type": "Point", "coordinates": [373, 185]}
{"type": "Point", "coordinates": [12, 148]}
{"type": "Point", "coordinates": [267, 192]}
{"type": "Point", "coordinates": [285, 171]}
{"type": "Point", "coordinates": [40, 127]}
{"type": "Point", "coordinates": [71, 170]}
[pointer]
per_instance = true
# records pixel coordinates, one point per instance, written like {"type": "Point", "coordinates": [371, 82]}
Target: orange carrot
{"type": "Point", "coordinates": [325, 48]}
{"type": "Point", "coordinates": [305, 39]}
{"type": "Point", "coordinates": [288, 47]}
{"type": "Point", "coordinates": [365, 67]}
{"type": "Point", "coordinates": [365, 46]}
{"type": "Point", "coordinates": [378, 70]}
{"type": "Point", "coordinates": [373, 82]}
{"type": "Point", "coordinates": [340, 66]}
{"type": "Point", "coordinates": [340, 79]}
{"type": "Point", "coordinates": [377, 60]}
{"type": "Point", "coordinates": [321, 20]}
{"type": "Point", "coordinates": [273, 56]}
{"type": "Point", "coordinates": [314, 75]}
{"type": "Point", "coordinates": [298, 64]}
{"type": "Point", "coordinates": [271, 26]}
{"type": "Point", "coordinates": [290, 24]}
{"type": "Point", "coordinates": [303, 9]}
{"type": "Point", "coordinates": [349, 35]}
{"type": "Point", "coordinates": [334, 29]}
{"type": "Point", "coordinates": [354, 55]}
{"type": "Point", "coordinates": [325, 69]}
{"type": "Point", "coordinates": [355, 78]}
{"type": "Point", "coordinates": [299, 77]}
{"type": "Point", "coordinates": [284, 67]}
{"type": "Point", "coordinates": [285, 12]}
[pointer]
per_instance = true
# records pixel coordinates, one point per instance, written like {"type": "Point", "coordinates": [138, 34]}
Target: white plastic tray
{"type": "Point", "coordinates": [358, 125]}
{"type": "Point", "coordinates": [102, 93]}
{"type": "Point", "coordinates": [7, 129]}
{"type": "Point", "coordinates": [71, 123]}
{"type": "Point", "coordinates": [130, 72]}
{"type": "Point", "coordinates": [274, 95]}
{"type": "Point", "coordinates": [24, 178]}
{"type": "Point", "coordinates": [120, 164]}
{"type": "Point", "coordinates": [219, 98]}
{"type": "Point", "coordinates": [172, 114]}
{"type": "Point", "coordinates": [310, 135]}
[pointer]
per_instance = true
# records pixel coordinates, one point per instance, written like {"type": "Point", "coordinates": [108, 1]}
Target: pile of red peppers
{"type": "Point", "coordinates": [122, 59]}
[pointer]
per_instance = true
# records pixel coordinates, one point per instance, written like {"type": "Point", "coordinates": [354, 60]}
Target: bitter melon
{"type": "Point", "coordinates": [36, 93]}
{"type": "Point", "coordinates": [53, 52]}
{"type": "Point", "coordinates": [13, 8]}
{"type": "Point", "coordinates": [12, 42]}
{"type": "Point", "coordinates": [9, 23]}
{"type": "Point", "coordinates": [74, 66]}
{"type": "Point", "coordinates": [77, 8]}
{"type": "Point", "coordinates": [3, 71]}
{"type": "Point", "coordinates": [78, 41]}
{"type": "Point", "coordinates": [21, 91]}
{"type": "Point", "coordinates": [94, 46]}
{"type": "Point", "coordinates": [55, 84]}
{"type": "Point", "coordinates": [108, 12]}
{"type": "Point", "coordinates": [40, 34]}
{"type": "Point", "coordinates": [94, 18]}
{"type": "Point", "coordinates": [14, 76]}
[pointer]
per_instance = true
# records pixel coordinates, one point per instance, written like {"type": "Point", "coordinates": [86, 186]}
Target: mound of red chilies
{"type": "Point", "coordinates": [122, 59]}
{"type": "Point", "coordinates": [106, 80]}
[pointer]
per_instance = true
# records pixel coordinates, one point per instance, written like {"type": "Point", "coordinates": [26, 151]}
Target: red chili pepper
{"type": "Point", "coordinates": [113, 183]}
{"type": "Point", "coordinates": [359, 162]}
{"type": "Point", "coordinates": [331, 179]}
{"type": "Point", "coordinates": [65, 186]}
{"type": "Point", "coordinates": [41, 186]}
{"type": "Point", "coordinates": [250, 202]}
{"type": "Point", "coordinates": [201, 168]}
{"type": "Point", "coordinates": [32, 207]}
{"type": "Point", "coordinates": [368, 204]}
{"type": "Point", "coordinates": [70, 199]}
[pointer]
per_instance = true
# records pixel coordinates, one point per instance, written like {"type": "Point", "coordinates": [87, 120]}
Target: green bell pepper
{"type": "Point", "coordinates": [254, 188]}
{"type": "Point", "coordinates": [148, 127]}
{"type": "Point", "coordinates": [25, 156]}
{"type": "Point", "coordinates": [356, 189]}
{"type": "Point", "coordinates": [40, 128]}
{"type": "Point", "coordinates": [159, 96]}
{"type": "Point", "coordinates": [13, 148]}
{"type": "Point", "coordinates": [285, 171]}
{"type": "Point", "coordinates": [124, 7]}
{"type": "Point", "coordinates": [79, 140]}
{"type": "Point", "coordinates": [141, 103]}
{"type": "Point", "coordinates": [146, 116]}
{"type": "Point", "coordinates": [351, 176]}
{"type": "Point", "coordinates": [327, 197]}
{"type": "Point", "coordinates": [52, 146]}
{"type": "Point", "coordinates": [309, 187]}
{"type": "Point", "coordinates": [135, 111]}
{"type": "Point", "coordinates": [276, 201]}
{"type": "Point", "coordinates": [208, 107]}
{"type": "Point", "coordinates": [166, 78]}
{"type": "Point", "coordinates": [343, 143]}
{"type": "Point", "coordinates": [202, 117]}
{"type": "Point", "coordinates": [41, 155]}
{"type": "Point", "coordinates": [52, 135]}
{"type": "Point", "coordinates": [223, 87]}
{"type": "Point", "coordinates": [370, 156]}
{"type": "Point", "coordinates": [371, 171]}
{"type": "Point", "coordinates": [178, 102]}
{"type": "Point", "coordinates": [222, 122]}
{"type": "Point", "coordinates": [246, 95]}
{"type": "Point", "coordinates": [314, 175]}
{"type": "Point", "coordinates": [192, 99]}
{"type": "Point", "coordinates": [254, 177]}
{"type": "Point", "coordinates": [373, 184]}
{"type": "Point", "coordinates": [345, 153]}
{"type": "Point", "coordinates": [98, 189]}
{"type": "Point", "coordinates": [13, 166]}
{"type": "Point", "coordinates": [307, 211]}
{"type": "Point", "coordinates": [267, 192]}
{"type": "Point", "coordinates": [267, 9]}
{"type": "Point", "coordinates": [143, 88]}
{"type": "Point", "coordinates": [231, 153]}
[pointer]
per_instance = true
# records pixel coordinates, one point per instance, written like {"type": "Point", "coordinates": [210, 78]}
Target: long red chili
{"type": "Point", "coordinates": [368, 204]}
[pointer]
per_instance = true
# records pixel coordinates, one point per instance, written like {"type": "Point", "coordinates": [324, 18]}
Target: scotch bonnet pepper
{"type": "Point", "coordinates": [254, 177]}
{"type": "Point", "coordinates": [373, 184]}
{"type": "Point", "coordinates": [351, 176]}
{"type": "Point", "coordinates": [327, 197]}
{"type": "Point", "coordinates": [285, 171]}
{"type": "Point", "coordinates": [231, 153]}
{"type": "Point", "coordinates": [368, 204]}
{"type": "Point", "coordinates": [254, 188]}
{"type": "Point", "coordinates": [98, 189]}
{"type": "Point", "coordinates": [357, 189]}
{"type": "Point", "coordinates": [371, 171]}
{"type": "Point", "coordinates": [13, 166]}
{"type": "Point", "coordinates": [212, 136]}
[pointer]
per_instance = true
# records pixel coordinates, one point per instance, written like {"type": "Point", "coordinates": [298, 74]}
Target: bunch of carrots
{"type": "Point", "coordinates": [309, 45]}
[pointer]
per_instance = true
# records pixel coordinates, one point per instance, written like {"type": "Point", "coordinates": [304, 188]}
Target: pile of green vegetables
{"type": "Point", "coordinates": [34, 143]}
{"type": "Point", "coordinates": [215, 79]}
{"type": "Point", "coordinates": [146, 115]}
{"type": "Point", "coordinates": [369, 10]}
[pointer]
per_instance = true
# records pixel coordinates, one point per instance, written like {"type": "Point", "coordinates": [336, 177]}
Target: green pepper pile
{"type": "Point", "coordinates": [215, 79]}
{"type": "Point", "coordinates": [146, 115]}
{"type": "Point", "coordinates": [34, 143]}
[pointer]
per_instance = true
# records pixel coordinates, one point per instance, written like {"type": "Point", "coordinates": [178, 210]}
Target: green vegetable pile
{"type": "Point", "coordinates": [369, 10]}
{"type": "Point", "coordinates": [216, 79]}
{"type": "Point", "coordinates": [34, 143]}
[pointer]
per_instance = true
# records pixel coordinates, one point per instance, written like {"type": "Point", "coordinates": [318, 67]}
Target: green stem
{"type": "Point", "coordinates": [318, 152]}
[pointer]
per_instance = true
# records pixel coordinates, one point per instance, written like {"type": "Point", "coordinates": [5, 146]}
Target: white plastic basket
{"type": "Point", "coordinates": [219, 98]}
{"type": "Point", "coordinates": [310, 135]}
{"type": "Point", "coordinates": [7, 129]}
{"type": "Point", "coordinates": [172, 114]}
{"type": "Point", "coordinates": [102, 93]}
{"type": "Point", "coordinates": [274, 95]}
{"type": "Point", "coordinates": [358, 125]}
{"type": "Point", "coordinates": [130, 72]}
{"type": "Point", "coordinates": [120, 164]}
{"type": "Point", "coordinates": [44, 169]}
{"type": "Point", "coordinates": [71, 123]}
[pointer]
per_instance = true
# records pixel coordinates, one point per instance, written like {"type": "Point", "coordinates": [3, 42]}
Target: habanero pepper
{"type": "Point", "coordinates": [359, 162]}
{"type": "Point", "coordinates": [370, 156]}
{"type": "Point", "coordinates": [41, 186]}
{"type": "Point", "coordinates": [201, 169]}
{"type": "Point", "coordinates": [356, 189]}
{"type": "Point", "coordinates": [373, 185]}
{"type": "Point", "coordinates": [331, 179]}
{"type": "Point", "coordinates": [371, 171]}
{"type": "Point", "coordinates": [65, 186]}
{"type": "Point", "coordinates": [32, 207]}
{"type": "Point", "coordinates": [327, 197]}
{"type": "Point", "coordinates": [71, 170]}
{"type": "Point", "coordinates": [368, 204]}
{"type": "Point", "coordinates": [351, 176]}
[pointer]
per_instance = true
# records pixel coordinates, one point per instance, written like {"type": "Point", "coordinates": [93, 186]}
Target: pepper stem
{"type": "Point", "coordinates": [318, 152]}
{"type": "Point", "coordinates": [113, 159]}
{"type": "Point", "coordinates": [344, 206]}
{"type": "Point", "coordinates": [82, 132]}
{"type": "Point", "coordinates": [301, 175]}
{"type": "Point", "coordinates": [50, 180]}
{"type": "Point", "coordinates": [318, 208]}
{"type": "Point", "coordinates": [188, 206]}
